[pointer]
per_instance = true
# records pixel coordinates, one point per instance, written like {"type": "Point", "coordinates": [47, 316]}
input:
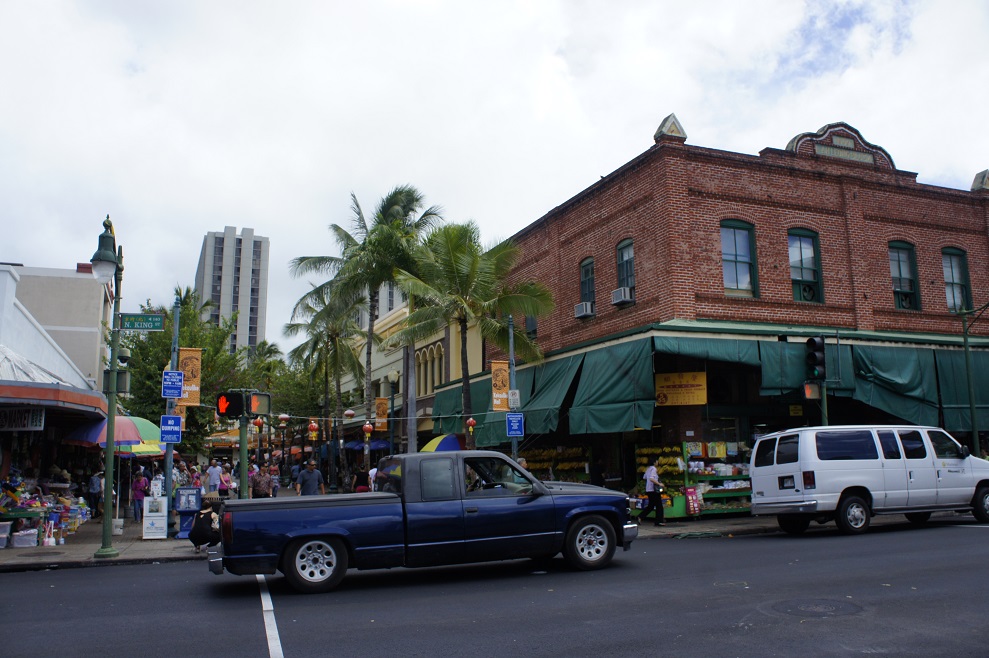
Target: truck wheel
{"type": "Point", "coordinates": [315, 565]}
{"type": "Point", "coordinates": [590, 543]}
{"type": "Point", "coordinates": [852, 515]}
{"type": "Point", "coordinates": [980, 505]}
{"type": "Point", "coordinates": [918, 518]}
{"type": "Point", "coordinates": [793, 525]}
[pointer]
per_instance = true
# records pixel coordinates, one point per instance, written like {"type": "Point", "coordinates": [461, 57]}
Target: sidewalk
{"type": "Point", "coordinates": [78, 549]}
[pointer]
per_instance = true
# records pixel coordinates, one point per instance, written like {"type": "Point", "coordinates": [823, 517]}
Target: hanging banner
{"type": "Point", "coordinates": [380, 414]}
{"type": "Point", "coordinates": [675, 389]}
{"type": "Point", "coordinates": [31, 419]}
{"type": "Point", "coordinates": [499, 385]}
{"type": "Point", "coordinates": [191, 364]}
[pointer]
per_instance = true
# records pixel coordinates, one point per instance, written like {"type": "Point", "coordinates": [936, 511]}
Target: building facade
{"type": "Point", "coordinates": [688, 281]}
{"type": "Point", "coordinates": [233, 276]}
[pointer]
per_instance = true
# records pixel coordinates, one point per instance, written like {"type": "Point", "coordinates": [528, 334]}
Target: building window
{"type": "Point", "coordinates": [626, 266]}
{"type": "Point", "coordinates": [531, 327]}
{"type": "Point", "coordinates": [956, 288]}
{"type": "Point", "coordinates": [391, 296]}
{"type": "Point", "coordinates": [903, 270]}
{"type": "Point", "coordinates": [738, 259]}
{"type": "Point", "coordinates": [587, 281]}
{"type": "Point", "coordinates": [805, 266]}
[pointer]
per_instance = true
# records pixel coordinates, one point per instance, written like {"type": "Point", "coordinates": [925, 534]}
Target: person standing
{"type": "Point", "coordinates": [213, 475]}
{"type": "Point", "coordinates": [310, 481]}
{"type": "Point", "coordinates": [275, 480]}
{"type": "Point", "coordinates": [261, 484]}
{"type": "Point", "coordinates": [225, 481]}
{"type": "Point", "coordinates": [139, 487]}
{"type": "Point", "coordinates": [95, 494]}
{"type": "Point", "coordinates": [654, 491]}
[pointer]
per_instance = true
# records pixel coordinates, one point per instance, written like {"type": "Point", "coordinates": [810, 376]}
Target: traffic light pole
{"type": "Point", "coordinates": [244, 467]}
{"type": "Point", "coordinates": [824, 403]}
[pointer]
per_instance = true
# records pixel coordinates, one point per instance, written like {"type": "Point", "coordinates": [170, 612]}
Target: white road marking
{"type": "Point", "coordinates": [270, 627]}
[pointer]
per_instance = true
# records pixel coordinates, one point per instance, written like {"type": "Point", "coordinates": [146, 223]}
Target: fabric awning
{"type": "Point", "coordinates": [745, 352]}
{"type": "Point", "coordinates": [616, 391]}
{"type": "Point", "coordinates": [900, 381]}
{"type": "Point", "coordinates": [952, 376]}
{"type": "Point", "coordinates": [492, 431]}
{"type": "Point", "coordinates": [448, 406]}
{"type": "Point", "coordinates": [784, 368]}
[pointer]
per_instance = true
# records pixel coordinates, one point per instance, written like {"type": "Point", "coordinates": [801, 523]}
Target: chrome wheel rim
{"type": "Point", "coordinates": [592, 543]}
{"type": "Point", "coordinates": [855, 515]}
{"type": "Point", "coordinates": [315, 561]}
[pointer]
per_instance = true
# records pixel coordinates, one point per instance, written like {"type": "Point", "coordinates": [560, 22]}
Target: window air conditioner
{"type": "Point", "coordinates": [621, 296]}
{"type": "Point", "coordinates": [583, 310]}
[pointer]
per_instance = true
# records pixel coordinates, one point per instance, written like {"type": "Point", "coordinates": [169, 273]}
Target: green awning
{"type": "Point", "coordinates": [898, 380]}
{"type": "Point", "coordinates": [552, 381]}
{"type": "Point", "coordinates": [745, 352]}
{"type": "Point", "coordinates": [784, 368]}
{"type": "Point", "coordinates": [493, 431]}
{"type": "Point", "coordinates": [617, 390]}
{"type": "Point", "coordinates": [448, 406]}
{"type": "Point", "coordinates": [952, 377]}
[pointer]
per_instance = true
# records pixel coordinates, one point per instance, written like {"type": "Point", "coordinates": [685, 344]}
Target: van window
{"type": "Point", "coordinates": [891, 449]}
{"type": "Point", "coordinates": [913, 444]}
{"type": "Point", "coordinates": [764, 451]}
{"type": "Point", "coordinates": [945, 447]}
{"type": "Point", "coordinates": [846, 445]}
{"type": "Point", "coordinates": [787, 452]}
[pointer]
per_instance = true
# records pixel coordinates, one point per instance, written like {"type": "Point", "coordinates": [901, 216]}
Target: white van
{"type": "Point", "coordinates": [848, 473]}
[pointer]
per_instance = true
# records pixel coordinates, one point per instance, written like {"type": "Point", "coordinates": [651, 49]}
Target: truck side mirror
{"type": "Point", "coordinates": [965, 452]}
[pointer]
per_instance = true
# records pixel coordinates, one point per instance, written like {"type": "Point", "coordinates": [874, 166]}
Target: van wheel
{"type": "Point", "coordinates": [852, 515]}
{"type": "Point", "coordinates": [980, 506]}
{"type": "Point", "coordinates": [793, 525]}
{"type": "Point", "coordinates": [918, 518]}
{"type": "Point", "coordinates": [590, 543]}
{"type": "Point", "coordinates": [315, 565]}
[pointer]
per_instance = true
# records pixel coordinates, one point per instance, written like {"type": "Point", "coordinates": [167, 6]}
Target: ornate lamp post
{"type": "Point", "coordinates": [368, 428]}
{"type": "Point", "coordinates": [393, 380]}
{"type": "Point", "coordinates": [108, 263]}
{"type": "Point", "coordinates": [282, 425]}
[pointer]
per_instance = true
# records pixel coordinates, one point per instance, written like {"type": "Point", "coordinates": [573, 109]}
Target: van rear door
{"type": "Point", "coordinates": [775, 471]}
{"type": "Point", "coordinates": [921, 478]}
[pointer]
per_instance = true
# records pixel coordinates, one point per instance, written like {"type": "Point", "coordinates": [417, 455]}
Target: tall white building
{"type": "Point", "coordinates": [233, 275]}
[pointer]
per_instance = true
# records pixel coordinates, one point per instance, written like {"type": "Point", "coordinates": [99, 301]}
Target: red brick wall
{"type": "Point", "coordinates": [671, 199]}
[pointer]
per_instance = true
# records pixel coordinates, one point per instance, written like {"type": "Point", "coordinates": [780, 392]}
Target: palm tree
{"type": "Point", "coordinates": [461, 283]}
{"type": "Point", "coordinates": [265, 362]}
{"type": "Point", "coordinates": [332, 346]}
{"type": "Point", "coordinates": [371, 255]}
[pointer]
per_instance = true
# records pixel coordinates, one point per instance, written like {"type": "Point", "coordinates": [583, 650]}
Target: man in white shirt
{"type": "Point", "coordinates": [654, 490]}
{"type": "Point", "coordinates": [213, 474]}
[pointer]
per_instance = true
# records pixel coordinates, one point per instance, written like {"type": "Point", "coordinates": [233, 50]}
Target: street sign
{"type": "Point", "coordinates": [142, 322]}
{"type": "Point", "coordinates": [171, 383]}
{"type": "Point", "coordinates": [515, 424]}
{"type": "Point", "coordinates": [171, 429]}
{"type": "Point", "coordinates": [514, 399]}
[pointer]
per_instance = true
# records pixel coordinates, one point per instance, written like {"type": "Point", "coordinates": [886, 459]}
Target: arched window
{"type": "Point", "coordinates": [903, 271]}
{"type": "Point", "coordinates": [738, 258]}
{"type": "Point", "coordinates": [956, 285]}
{"type": "Point", "coordinates": [805, 265]}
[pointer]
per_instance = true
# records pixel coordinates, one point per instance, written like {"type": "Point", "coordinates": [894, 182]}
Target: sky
{"type": "Point", "coordinates": [181, 117]}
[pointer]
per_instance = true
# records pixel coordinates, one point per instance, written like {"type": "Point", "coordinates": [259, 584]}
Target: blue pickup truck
{"type": "Point", "coordinates": [433, 509]}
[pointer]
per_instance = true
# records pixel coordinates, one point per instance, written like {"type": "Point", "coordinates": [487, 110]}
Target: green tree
{"type": "Point", "coordinates": [461, 283]}
{"type": "Point", "coordinates": [151, 354]}
{"type": "Point", "coordinates": [370, 255]}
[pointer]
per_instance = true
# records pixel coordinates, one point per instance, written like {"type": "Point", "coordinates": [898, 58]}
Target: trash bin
{"type": "Point", "coordinates": [188, 500]}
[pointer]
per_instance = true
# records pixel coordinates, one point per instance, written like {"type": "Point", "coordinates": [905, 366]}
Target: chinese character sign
{"type": "Point", "coordinates": [675, 389]}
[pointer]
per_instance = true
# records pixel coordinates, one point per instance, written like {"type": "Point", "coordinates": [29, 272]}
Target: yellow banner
{"type": "Point", "coordinates": [180, 411]}
{"type": "Point", "coordinates": [677, 389]}
{"type": "Point", "coordinates": [499, 385]}
{"type": "Point", "coordinates": [380, 414]}
{"type": "Point", "coordinates": [191, 364]}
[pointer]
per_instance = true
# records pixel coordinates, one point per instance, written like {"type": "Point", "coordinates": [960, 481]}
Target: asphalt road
{"type": "Point", "coordinates": [897, 590]}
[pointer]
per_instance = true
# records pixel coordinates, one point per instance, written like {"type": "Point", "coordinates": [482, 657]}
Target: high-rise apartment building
{"type": "Point", "coordinates": [233, 276]}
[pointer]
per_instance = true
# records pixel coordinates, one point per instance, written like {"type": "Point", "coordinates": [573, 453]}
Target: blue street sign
{"type": "Point", "coordinates": [171, 383]}
{"type": "Point", "coordinates": [171, 429]}
{"type": "Point", "coordinates": [515, 424]}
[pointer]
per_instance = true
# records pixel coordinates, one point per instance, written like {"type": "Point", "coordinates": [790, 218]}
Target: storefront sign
{"type": "Point", "coordinates": [499, 385]}
{"type": "Point", "coordinates": [28, 419]}
{"type": "Point", "coordinates": [676, 389]}
{"type": "Point", "coordinates": [155, 517]}
{"type": "Point", "coordinates": [693, 501]}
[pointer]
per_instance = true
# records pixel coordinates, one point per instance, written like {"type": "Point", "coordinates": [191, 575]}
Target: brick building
{"type": "Point", "coordinates": [688, 281]}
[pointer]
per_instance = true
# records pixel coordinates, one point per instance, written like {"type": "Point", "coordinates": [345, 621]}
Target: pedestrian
{"type": "Point", "coordinates": [196, 480]}
{"type": "Point", "coordinates": [95, 494]}
{"type": "Point", "coordinates": [205, 529]}
{"type": "Point", "coordinates": [310, 481]}
{"type": "Point", "coordinates": [261, 484]}
{"type": "Point", "coordinates": [225, 482]}
{"type": "Point", "coordinates": [372, 476]}
{"type": "Point", "coordinates": [361, 479]}
{"type": "Point", "coordinates": [275, 480]}
{"type": "Point", "coordinates": [295, 473]}
{"type": "Point", "coordinates": [139, 488]}
{"type": "Point", "coordinates": [213, 474]}
{"type": "Point", "coordinates": [654, 491]}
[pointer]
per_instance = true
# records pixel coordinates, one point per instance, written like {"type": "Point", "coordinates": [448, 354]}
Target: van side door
{"type": "Point", "coordinates": [955, 482]}
{"type": "Point", "coordinates": [894, 471]}
{"type": "Point", "coordinates": [921, 478]}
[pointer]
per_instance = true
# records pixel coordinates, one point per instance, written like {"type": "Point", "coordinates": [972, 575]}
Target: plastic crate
{"type": "Point", "coordinates": [5, 528]}
{"type": "Point", "coordinates": [24, 539]}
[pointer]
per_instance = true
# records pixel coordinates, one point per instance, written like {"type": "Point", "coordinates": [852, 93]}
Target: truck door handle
{"type": "Point", "coordinates": [470, 510]}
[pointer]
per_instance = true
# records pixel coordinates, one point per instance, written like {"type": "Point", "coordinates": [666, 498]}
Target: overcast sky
{"type": "Point", "coordinates": [182, 117]}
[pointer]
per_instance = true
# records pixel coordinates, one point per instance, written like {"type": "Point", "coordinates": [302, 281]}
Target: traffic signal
{"type": "Point", "coordinates": [816, 359]}
{"type": "Point", "coordinates": [230, 404]}
{"type": "Point", "coordinates": [260, 404]}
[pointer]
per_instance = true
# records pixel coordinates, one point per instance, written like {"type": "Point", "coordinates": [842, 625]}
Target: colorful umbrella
{"type": "Point", "coordinates": [441, 443]}
{"type": "Point", "coordinates": [127, 430]}
{"type": "Point", "coordinates": [140, 449]}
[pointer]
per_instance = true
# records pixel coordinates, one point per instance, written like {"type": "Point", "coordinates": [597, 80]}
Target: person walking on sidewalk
{"type": "Point", "coordinates": [310, 481]}
{"type": "Point", "coordinates": [139, 488]}
{"type": "Point", "coordinates": [654, 491]}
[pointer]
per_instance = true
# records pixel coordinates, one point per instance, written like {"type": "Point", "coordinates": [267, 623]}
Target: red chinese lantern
{"type": "Point", "coordinates": [257, 422]}
{"type": "Point", "coordinates": [368, 428]}
{"type": "Point", "coordinates": [313, 427]}
{"type": "Point", "coordinates": [471, 424]}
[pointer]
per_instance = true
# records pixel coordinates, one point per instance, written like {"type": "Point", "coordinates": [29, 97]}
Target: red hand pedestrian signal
{"type": "Point", "coordinates": [222, 403]}
{"type": "Point", "coordinates": [230, 404]}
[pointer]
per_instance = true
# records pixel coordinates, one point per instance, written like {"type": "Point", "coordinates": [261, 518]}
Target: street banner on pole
{"type": "Point", "coordinates": [500, 382]}
{"type": "Point", "coordinates": [380, 414]}
{"type": "Point", "coordinates": [191, 365]}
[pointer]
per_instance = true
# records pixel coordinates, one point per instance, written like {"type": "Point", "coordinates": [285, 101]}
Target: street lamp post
{"type": "Point", "coordinates": [344, 465]}
{"type": "Point", "coordinates": [393, 380]}
{"type": "Point", "coordinates": [108, 263]}
{"type": "Point", "coordinates": [282, 425]}
{"type": "Point", "coordinates": [972, 407]}
{"type": "Point", "coordinates": [368, 428]}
